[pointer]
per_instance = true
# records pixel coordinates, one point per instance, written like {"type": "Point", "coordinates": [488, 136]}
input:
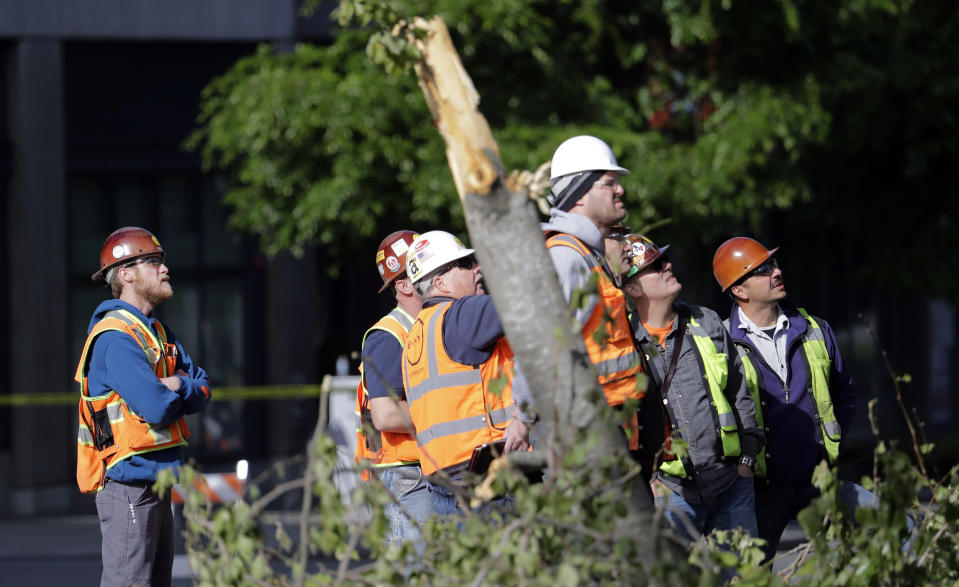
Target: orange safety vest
{"type": "Point", "coordinates": [383, 449]}
{"type": "Point", "coordinates": [455, 407]}
{"type": "Point", "coordinates": [110, 431]}
{"type": "Point", "coordinates": [614, 355]}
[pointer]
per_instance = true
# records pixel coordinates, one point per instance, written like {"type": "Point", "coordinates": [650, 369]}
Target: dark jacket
{"type": "Point", "coordinates": [792, 434]}
{"type": "Point", "coordinates": [691, 404]}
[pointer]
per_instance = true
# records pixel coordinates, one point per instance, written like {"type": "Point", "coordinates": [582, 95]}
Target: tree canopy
{"type": "Point", "coordinates": [838, 114]}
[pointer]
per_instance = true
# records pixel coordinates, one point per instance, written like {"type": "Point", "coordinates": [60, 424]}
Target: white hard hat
{"type": "Point", "coordinates": [583, 153]}
{"type": "Point", "coordinates": [430, 251]}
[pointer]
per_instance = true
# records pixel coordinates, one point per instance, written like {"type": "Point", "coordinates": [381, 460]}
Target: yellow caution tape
{"type": "Point", "coordinates": [266, 392]}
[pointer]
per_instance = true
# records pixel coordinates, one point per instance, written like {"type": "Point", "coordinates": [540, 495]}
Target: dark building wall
{"type": "Point", "coordinates": [97, 97]}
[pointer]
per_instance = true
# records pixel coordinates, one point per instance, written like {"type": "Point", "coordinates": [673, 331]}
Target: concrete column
{"type": "Point", "coordinates": [36, 241]}
{"type": "Point", "coordinates": [296, 326]}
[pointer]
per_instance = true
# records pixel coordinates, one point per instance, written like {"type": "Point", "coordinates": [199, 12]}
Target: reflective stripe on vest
{"type": "Point", "coordinates": [716, 365]}
{"type": "Point", "coordinates": [496, 418]}
{"type": "Point", "coordinates": [102, 442]}
{"type": "Point", "coordinates": [606, 334]}
{"type": "Point", "coordinates": [383, 449]}
{"type": "Point", "coordinates": [819, 364]}
{"type": "Point", "coordinates": [716, 368]}
{"type": "Point", "coordinates": [451, 404]}
{"type": "Point", "coordinates": [817, 357]}
{"type": "Point", "coordinates": [752, 385]}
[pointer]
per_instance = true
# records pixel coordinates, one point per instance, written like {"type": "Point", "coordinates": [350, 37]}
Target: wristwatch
{"type": "Point", "coordinates": [748, 461]}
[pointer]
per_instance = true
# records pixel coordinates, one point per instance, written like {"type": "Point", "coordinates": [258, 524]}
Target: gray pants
{"type": "Point", "coordinates": [137, 529]}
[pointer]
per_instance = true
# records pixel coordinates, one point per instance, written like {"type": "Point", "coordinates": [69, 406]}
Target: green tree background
{"type": "Point", "coordinates": [834, 116]}
{"type": "Point", "coordinates": [828, 127]}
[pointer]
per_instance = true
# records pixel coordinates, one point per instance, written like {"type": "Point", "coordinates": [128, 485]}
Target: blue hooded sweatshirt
{"type": "Point", "coordinates": [118, 363]}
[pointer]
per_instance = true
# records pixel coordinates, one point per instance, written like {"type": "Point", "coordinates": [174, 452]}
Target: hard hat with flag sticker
{"type": "Point", "coordinates": [391, 256]}
{"type": "Point", "coordinates": [430, 251]}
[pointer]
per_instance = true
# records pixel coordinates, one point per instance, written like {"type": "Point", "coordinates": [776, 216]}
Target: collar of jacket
{"type": "Point", "coordinates": [577, 225]}
{"type": "Point", "coordinates": [797, 324]}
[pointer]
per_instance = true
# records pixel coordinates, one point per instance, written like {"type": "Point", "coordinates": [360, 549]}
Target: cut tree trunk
{"type": "Point", "coordinates": [504, 230]}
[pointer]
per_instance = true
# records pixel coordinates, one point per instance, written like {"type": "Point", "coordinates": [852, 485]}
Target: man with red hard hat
{"type": "Point", "coordinates": [797, 377]}
{"type": "Point", "coordinates": [385, 434]}
{"type": "Point", "coordinates": [137, 384]}
{"type": "Point", "coordinates": [696, 378]}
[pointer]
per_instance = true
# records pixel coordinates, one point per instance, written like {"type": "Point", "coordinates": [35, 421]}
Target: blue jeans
{"type": "Point", "coordinates": [733, 508]}
{"type": "Point", "coordinates": [777, 504]}
{"type": "Point", "coordinates": [445, 505]}
{"type": "Point", "coordinates": [408, 485]}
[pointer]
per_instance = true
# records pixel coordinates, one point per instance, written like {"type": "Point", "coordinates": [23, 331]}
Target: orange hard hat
{"type": "Point", "coordinates": [391, 255]}
{"type": "Point", "coordinates": [737, 257]}
{"type": "Point", "coordinates": [126, 244]}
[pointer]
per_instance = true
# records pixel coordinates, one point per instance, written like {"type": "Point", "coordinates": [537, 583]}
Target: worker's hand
{"type": "Point", "coordinates": [172, 382]}
{"type": "Point", "coordinates": [181, 373]}
{"type": "Point", "coordinates": [744, 471]}
{"type": "Point", "coordinates": [517, 436]}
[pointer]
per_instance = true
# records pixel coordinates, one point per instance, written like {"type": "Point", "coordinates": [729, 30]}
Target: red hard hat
{"type": "Point", "coordinates": [391, 256]}
{"type": "Point", "coordinates": [126, 244]}
{"type": "Point", "coordinates": [737, 257]}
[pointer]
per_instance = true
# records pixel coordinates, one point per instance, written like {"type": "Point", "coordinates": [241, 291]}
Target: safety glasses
{"type": "Point", "coordinates": [657, 266]}
{"type": "Point", "coordinates": [153, 261]}
{"type": "Point", "coordinates": [765, 269]}
{"type": "Point", "coordinates": [467, 262]}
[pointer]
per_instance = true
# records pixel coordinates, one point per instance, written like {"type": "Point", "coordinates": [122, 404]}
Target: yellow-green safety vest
{"type": "Point", "coordinates": [817, 358]}
{"type": "Point", "coordinates": [716, 368]}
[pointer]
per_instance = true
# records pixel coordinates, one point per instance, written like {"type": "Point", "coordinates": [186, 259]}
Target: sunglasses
{"type": "Point", "coordinates": [657, 266]}
{"type": "Point", "coordinates": [765, 269]}
{"type": "Point", "coordinates": [463, 263]}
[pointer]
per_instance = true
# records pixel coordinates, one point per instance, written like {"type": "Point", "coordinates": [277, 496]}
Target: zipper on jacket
{"type": "Point", "coordinates": [745, 341]}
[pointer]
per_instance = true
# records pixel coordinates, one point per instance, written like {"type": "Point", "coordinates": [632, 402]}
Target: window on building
{"type": "Point", "coordinates": [206, 312]}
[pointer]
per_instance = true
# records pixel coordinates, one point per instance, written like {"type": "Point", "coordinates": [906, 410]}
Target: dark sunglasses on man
{"type": "Point", "coordinates": [765, 269]}
{"type": "Point", "coordinates": [658, 265]}
{"type": "Point", "coordinates": [467, 262]}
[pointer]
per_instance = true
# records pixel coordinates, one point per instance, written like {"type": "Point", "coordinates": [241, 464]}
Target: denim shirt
{"type": "Point", "coordinates": [689, 398]}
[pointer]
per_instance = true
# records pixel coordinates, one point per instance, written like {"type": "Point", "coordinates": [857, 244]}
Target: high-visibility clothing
{"type": "Point", "coordinates": [715, 371]}
{"type": "Point", "coordinates": [455, 407]}
{"type": "Point", "coordinates": [109, 430]}
{"type": "Point", "coordinates": [383, 449]}
{"type": "Point", "coordinates": [606, 334]}
{"type": "Point", "coordinates": [819, 364]}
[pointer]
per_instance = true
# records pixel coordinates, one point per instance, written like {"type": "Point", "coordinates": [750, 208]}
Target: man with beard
{"type": "Point", "coordinates": [587, 200]}
{"type": "Point", "coordinates": [695, 371]}
{"type": "Point", "coordinates": [137, 384]}
{"type": "Point", "coordinates": [796, 375]}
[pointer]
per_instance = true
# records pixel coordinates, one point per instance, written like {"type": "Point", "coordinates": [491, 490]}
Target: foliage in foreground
{"type": "Point", "coordinates": [562, 533]}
